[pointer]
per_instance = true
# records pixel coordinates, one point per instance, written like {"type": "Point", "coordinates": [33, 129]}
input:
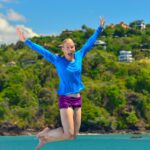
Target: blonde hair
{"type": "Point", "coordinates": [68, 40]}
{"type": "Point", "coordinates": [65, 41]}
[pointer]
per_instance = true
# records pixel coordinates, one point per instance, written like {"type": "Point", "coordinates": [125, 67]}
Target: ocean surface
{"type": "Point", "coordinates": [83, 142]}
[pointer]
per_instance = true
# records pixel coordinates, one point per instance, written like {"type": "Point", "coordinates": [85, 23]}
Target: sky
{"type": "Point", "coordinates": [51, 17]}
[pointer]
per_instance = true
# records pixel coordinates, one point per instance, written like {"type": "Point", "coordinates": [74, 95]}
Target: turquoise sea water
{"type": "Point", "coordinates": [83, 142]}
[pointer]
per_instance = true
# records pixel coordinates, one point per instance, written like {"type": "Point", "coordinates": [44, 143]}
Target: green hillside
{"type": "Point", "coordinates": [116, 95]}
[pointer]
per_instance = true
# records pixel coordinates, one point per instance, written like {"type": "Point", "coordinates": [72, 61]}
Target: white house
{"type": "Point", "coordinates": [141, 24]}
{"type": "Point", "coordinates": [99, 42]}
{"type": "Point", "coordinates": [125, 56]}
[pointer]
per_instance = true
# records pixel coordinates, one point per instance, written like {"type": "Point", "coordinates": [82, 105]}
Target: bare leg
{"type": "Point", "coordinates": [77, 120]}
{"type": "Point", "coordinates": [40, 134]}
{"type": "Point", "coordinates": [71, 131]}
{"type": "Point", "coordinates": [65, 133]}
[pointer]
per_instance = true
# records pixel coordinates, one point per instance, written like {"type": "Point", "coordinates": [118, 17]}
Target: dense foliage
{"type": "Point", "coordinates": [116, 95]}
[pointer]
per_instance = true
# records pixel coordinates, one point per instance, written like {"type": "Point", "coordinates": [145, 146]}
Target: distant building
{"type": "Point", "coordinates": [125, 56]}
{"type": "Point", "coordinates": [99, 42]}
{"type": "Point", "coordinates": [139, 24]}
{"type": "Point", "coordinates": [124, 25]}
{"type": "Point", "coordinates": [112, 25]}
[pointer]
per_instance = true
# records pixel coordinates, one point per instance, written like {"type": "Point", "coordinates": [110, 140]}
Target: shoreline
{"type": "Point", "coordinates": [8, 129]}
{"type": "Point", "coordinates": [116, 133]}
{"type": "Point", "coordinates": [32, 132]}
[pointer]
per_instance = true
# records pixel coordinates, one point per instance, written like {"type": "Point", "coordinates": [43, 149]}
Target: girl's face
{"type": "Point", "coordinates": [69, 50]}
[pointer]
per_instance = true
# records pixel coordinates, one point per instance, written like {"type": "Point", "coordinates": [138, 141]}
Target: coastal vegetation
{"type": "Point", "coordinates": [116, 95]}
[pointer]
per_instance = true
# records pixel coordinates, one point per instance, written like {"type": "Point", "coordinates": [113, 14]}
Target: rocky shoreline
{"type": "Point", "coordinates": [8, 129]}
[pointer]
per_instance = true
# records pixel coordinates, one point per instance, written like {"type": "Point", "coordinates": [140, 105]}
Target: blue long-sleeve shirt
{"type": "Point", "coordinates": [69, 72]}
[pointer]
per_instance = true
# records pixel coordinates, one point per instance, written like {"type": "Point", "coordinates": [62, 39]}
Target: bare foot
{"type": "Point", "coordinates": [41, 143]}
{"type": "Point", "coordinates": [42, 133]}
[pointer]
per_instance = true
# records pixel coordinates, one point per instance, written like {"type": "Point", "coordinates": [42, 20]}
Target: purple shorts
{"type": "Point", "coordinates": [66, 101]}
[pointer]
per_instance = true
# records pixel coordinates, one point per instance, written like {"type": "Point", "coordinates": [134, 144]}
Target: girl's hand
{"type": "Point", "coordinates": [20, 34]}
{"type": "Point", "coordinates": [102, 21]}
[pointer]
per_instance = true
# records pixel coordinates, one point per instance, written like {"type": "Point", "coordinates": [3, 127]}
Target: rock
{"type": "Point", "coordinates": [9, 129]}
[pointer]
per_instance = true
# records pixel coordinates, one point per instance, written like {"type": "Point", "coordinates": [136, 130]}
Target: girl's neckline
{"type": "Point", "coordinates": [71, 61]}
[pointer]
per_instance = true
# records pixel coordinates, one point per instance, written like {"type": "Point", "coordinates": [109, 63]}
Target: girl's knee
{"type": "Point", "coordinates": [69, 135]}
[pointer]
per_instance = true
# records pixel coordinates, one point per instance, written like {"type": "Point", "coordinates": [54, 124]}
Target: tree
{"type": "Point", "coordinates": [136, 24]}
{"type": "Point", "coordinates": [108, 31]}
{"type": "Point", "coordinates": [119, 31]}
